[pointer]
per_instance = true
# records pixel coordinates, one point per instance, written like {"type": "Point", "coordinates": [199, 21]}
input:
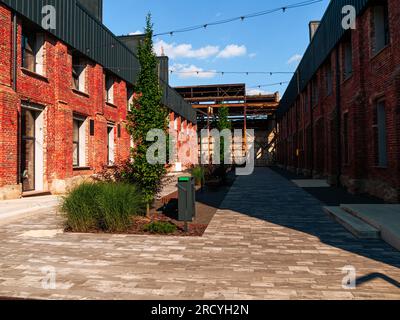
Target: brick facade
{"type": "Point", "coordinates": [53, 92]}
{"type": "Point", "coordinates": [334, 136]}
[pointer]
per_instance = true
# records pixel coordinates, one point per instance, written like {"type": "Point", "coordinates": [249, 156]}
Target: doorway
{"type": "Point", "coordinates": [31, 149]}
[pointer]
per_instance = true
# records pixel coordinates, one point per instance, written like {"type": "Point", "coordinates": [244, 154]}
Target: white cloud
{"type": "Point", "coordinates": [232, 50]}
{"type": "Point", "coordinates": [185, 71]}
{"type": "Point", "coordinates": [296, 58]}
{"type": "Point", "coordinates": [184, 50]}
{"type": "Point", "coordinates": [136, 33]}
{"type": "Point", "coordinates": [255, 92]}
{"type": "Point", "coordinates": [252, 55]}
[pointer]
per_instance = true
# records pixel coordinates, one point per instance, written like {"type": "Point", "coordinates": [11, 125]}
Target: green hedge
{"type": "Point", "coordinates": [160, 227]}
{"type": "Point", "coordinates": [107, 207]}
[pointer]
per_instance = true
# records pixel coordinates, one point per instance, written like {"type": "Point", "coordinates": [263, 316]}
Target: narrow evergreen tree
{"type": "Point", "coordinates": [147, 113]}
{"type": "Point", "coordinates": [223, 123]}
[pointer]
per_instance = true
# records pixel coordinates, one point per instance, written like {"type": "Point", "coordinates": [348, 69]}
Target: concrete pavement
{"type": "Point", "coordinates": [269, 240]}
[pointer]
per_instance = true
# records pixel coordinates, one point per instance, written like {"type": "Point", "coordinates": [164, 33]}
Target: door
{"type": "Point", "coordinates": [28, 118]}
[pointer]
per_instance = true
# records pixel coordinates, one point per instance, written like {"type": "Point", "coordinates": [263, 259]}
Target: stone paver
{"type": "Point", "coordinates": [270, 240]}
{"type": "Point", "coordinates": [15, 209]}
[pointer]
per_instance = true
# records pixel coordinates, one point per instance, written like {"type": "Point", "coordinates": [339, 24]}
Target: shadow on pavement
{"type": "Point", "coordinates": [271, 197]}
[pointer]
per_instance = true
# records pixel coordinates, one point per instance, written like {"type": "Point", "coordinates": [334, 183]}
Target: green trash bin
{"type": "Point", "coordinates": [186, 199]}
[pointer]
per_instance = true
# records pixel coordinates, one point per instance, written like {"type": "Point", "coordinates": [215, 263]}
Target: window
{"type": "Point", "coordinates": [380, 135]}
{"type": "Point", "coordinates": [109, 88]}
{"type": "Point", "coordinates": [314, 91]}
{"type": "Point", "coordinates": [78, 74]}
{"type": "Point", "coordinates": [346, 146]}
{"type": "Point", "coordinates": [381, 34]}
{"type": "Point", "coordinates": [32, 51]}
{"type": "Point", "coordinates": [110, 145]}
{"type": "Point", "coordinates": [347, 58]}
{"type": "Point", "coordinates": [79, 142]}
{"type": "Point", "coordinates": [305, 95]}
{"type": "Point", "coordinates": [130, 92]}
{"type": "Point", "coordinates": [329, 79]}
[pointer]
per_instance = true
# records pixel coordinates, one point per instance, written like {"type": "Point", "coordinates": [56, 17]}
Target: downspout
{"type": "Point", "coordinates": [14, 87]}
{"type": "Point", "coordinates": [310, 100]}
{"type": "Point", "coordinates": [339, 121]}
{"type": "Point", "coordinates": [14, 61]}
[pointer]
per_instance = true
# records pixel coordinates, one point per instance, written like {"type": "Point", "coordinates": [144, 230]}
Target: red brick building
{"type": "Point", "coordinates": [340, 116]}
{"type": "Point", "coordinates": [62, 112]}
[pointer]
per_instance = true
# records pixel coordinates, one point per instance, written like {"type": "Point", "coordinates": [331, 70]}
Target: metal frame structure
{"type": "Point", "coordinates": [243, 108]}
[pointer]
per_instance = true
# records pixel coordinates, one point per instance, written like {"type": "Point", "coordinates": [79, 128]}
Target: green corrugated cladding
{"type": "Point", "coordinates": [85, 33]}
{"type": "Point", "coordinates": [326, 38]}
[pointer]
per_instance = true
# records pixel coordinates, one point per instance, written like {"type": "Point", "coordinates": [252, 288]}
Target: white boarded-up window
{"type": "Point", "coordinates": [111, 144]}
{"type": "Point", "coordinates": [79, 142]}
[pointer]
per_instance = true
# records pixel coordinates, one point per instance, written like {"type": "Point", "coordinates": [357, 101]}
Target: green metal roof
{"type": "Point", "coordinates": [328, 35]}
{"type": "Point", "coordinates": [79, 29]}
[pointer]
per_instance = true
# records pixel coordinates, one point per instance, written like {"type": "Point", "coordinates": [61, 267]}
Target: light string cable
{"type": "Point", "coordinates": [240, 18]}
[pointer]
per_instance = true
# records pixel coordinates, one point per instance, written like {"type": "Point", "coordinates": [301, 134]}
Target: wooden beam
{"type": "Point", "coordinates": [271, 105]}
{"type": "Point", "coordinates": [208, 98]}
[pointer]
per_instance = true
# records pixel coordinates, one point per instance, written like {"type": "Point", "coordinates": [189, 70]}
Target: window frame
{"type": "Point", "coordinates": [109, 87]}
{"type": "Point", "coordinates": [81, 141]}
{"type": "Point", "coordinates": [35, 50]}
{"type": "Point", "coordinates": [381, 150]}
{"type": "Point", "coordinates": [346, 138]}
{"type": "Point", "coordinates": [347, 59]}
{"type": "Point", "coordinates": [110, 151]}
{"type": "Point", "coordinates": [385, 32]}
{"type": "Point", "coordinates": [76, 143]}
{"type": "Point", "coordinates": [329, 78]}
{"type": "Point", "coordinates": [27, 47]}
{"type": "Point", "coordinates": [79, 74]}
{"type": "Point", "coordinates": [130, 94]}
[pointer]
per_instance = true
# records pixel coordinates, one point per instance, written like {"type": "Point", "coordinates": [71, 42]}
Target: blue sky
{"type": "Point", "coordinates": [265, 43]}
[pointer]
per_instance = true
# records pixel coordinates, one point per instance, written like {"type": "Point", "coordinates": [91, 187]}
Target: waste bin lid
{"type": "Point", "coordinates": [184, 179]}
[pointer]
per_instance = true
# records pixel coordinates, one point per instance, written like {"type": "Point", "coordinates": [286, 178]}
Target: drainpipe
{"type": "Point", "coordinates": [339, 121]}
{"type": "Point", "coordinates": [14, 87]}
{"type": "Point", "coordinates": [14, 62]}
{"type": "Point", "coordinates": [310, 100]}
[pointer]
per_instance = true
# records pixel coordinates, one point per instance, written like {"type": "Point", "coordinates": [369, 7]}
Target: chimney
{"type": "Point", "coordinates": [313, 26]}
{"type": "Point", "coordinates": [163, 68]}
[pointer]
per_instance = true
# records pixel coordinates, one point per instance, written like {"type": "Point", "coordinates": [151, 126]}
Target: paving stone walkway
{"type": "Point", "coordinates": [270, 240]}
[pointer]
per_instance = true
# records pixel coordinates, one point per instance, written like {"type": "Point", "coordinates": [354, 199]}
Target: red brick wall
{"type": "Point", "coordinates": [54, 92]}
{"type": "Point", "coordinates": [374, 76]}
{"type": "Point", "coordinates": [8, 105]}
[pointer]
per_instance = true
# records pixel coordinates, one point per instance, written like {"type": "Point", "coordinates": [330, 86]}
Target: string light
{"type": "Point", "coordinates": [268, 85]}
{"type": "Point", "coordinates": [271, 73]}
{"type": "Point", "coordinates": [240, 18]}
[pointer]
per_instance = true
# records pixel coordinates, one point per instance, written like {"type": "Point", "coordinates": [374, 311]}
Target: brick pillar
{"type": "Point", "coordinates": [10, 187]}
